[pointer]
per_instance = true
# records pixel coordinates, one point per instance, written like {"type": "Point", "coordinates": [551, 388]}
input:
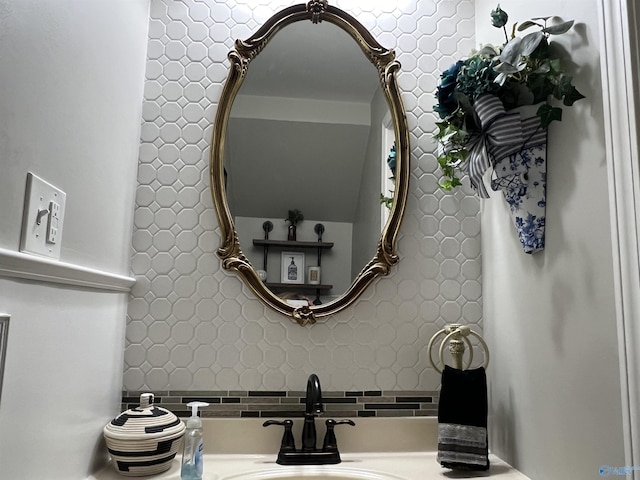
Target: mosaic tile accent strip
{"type": "Point", "coordinates": [281, 404]}
{"type": "Point", "coordinates": [193, 326]}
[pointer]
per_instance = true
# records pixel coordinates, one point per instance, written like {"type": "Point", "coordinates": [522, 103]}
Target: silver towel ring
{"type": "Point", "coordinates": [456, 336]}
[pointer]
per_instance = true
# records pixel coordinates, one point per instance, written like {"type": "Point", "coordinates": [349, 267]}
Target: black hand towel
{"type": "Point", "coordinates": [462, 420]}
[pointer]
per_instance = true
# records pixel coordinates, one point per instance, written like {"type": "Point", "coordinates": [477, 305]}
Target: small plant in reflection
{"type": "Point", "coordinates": [294, 217]}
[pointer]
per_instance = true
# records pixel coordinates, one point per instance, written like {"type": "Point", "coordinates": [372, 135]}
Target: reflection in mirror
{"type": "Point", "coordinates": [309, 124]}
{"type": "Point", "coordinates": [305, 136]}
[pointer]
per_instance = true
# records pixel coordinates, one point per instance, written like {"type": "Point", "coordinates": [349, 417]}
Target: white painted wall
{"type": "Point", "coordinates": [62, 381]}
{"type": "Point", "coordinates": [550, 318]}
{"type": "Point", "coordinates": [367, 225]}
{"type": "Point", "coordinates": [72, 79]}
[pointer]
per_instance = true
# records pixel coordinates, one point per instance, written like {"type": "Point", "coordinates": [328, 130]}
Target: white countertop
{"type": "Point", "coordinates": [395, 466]}
{"type": "Point", "coordinates": [394, 448]}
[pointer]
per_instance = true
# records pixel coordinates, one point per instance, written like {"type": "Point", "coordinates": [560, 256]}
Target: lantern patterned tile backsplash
{"type": "Point", "coordinates": [193, 326]}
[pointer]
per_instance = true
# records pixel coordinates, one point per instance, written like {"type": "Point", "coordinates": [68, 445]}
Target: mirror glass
{"type": "Point", "coordinates": [309, 126]}
{"type": "Point", "coordinates": [310, 109]}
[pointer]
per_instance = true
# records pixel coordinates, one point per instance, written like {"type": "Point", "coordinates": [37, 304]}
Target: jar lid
{"type": "Point", "coordinates": [144, 422]}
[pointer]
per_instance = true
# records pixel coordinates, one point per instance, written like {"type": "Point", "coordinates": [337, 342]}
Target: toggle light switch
{"type": "Point", "coordinates": [43, 218]}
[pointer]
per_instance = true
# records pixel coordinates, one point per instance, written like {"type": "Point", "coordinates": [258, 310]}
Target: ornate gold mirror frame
{"type": "Point", "coordinates": [386, 65]}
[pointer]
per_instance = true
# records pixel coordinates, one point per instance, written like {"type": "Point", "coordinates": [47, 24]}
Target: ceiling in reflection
{"type": "Point", "coordinates": [297, 59]}
{"type": "Point", "coordinates": [307, 96]}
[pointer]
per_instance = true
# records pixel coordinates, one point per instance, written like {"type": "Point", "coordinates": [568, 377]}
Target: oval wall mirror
{"type": "Point", "coordinates": [308, 118]}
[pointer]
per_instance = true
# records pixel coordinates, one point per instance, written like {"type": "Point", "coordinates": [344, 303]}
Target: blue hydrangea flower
{"type": "Point", "coordinates": [447, 103]}
{"type": "Point", "coordinates": [391, 160]}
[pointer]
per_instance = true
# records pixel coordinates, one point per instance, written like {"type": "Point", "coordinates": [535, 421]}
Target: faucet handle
{"type": "Point", "coordinates": [288, 444]}
{"type": "Point", "coordinates": [330, 443]}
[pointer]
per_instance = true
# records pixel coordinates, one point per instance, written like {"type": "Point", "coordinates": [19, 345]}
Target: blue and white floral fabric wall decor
{"type": "Point", "coordinates": [515, 149]}
{"type": "Point", "coordinates": [522, 177]}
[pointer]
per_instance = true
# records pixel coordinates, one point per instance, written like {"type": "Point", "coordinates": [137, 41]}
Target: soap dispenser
{"type": "Point", "coordinates": [192, 456]}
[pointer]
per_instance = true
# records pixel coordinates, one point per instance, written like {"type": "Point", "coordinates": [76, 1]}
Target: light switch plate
{"type": "Point", "coordinates": [43, 218]}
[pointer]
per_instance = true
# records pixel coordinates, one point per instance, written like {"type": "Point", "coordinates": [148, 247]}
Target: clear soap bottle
{"type": "Point", "coordinates": [192, 455]}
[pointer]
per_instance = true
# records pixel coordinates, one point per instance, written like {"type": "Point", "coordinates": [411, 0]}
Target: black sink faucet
{"type": "Point", "coordinates": [309, 454]}
{"type": "Point", "coordinates": [314, 407]}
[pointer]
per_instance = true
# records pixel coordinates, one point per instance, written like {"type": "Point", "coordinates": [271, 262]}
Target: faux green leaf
{"type": "Point", "coordinates": [564, 86]}
{"type": "Point", "coordinates": [555, 65]}
{"type": "Point", "coordinates": [545, 67]}
{"type": "Point", "coordinates": [571, 95]}
{"type": "Point", "coordinates": [386, 201]}
{"type": "Point", "coordinates": [530, 42]}
{"type": "Point", "coordinates": [449, 184]}
{"type": "Point", "coordinates": [464, 102]}
{"type": "Point", "coordinates": [512, 51]}
{"type": "Point", "coordinates": [541, 87]}
{"type": "Point", "coordinates": [559, 28]}
{"type": "Point", "coordinates": [548, 114]}
{"type": "Point", "coordinates": [542, 50]}
{"type": "Point", "coordinates": [442, 128]}
{"type": "Point", "coordinates": [528, 24]}
{"type": "Point", "coordinates": [565, 91]}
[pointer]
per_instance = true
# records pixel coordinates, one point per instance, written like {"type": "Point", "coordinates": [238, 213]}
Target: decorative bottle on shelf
{"type": "Point", "coordinates": [291, 233]}
{"type": "Point", "coordinates": [292, 271]}
{"type": "Point", "coordinates": [294, 217]}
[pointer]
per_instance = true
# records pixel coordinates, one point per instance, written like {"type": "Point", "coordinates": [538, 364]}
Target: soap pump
{"type": "Point", "coordinates": [192, 455]}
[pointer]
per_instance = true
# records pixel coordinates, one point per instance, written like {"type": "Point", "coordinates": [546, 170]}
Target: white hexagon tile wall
{"type": "Point", "coordinates": [193, 326]}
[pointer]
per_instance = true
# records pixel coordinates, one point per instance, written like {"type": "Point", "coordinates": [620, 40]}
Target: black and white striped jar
{"type": "Point", "coordinates": [144, 440]}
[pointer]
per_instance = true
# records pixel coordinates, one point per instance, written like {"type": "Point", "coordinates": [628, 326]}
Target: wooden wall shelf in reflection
{"type": "Point", "coordinates": [287, 243]}
{"type": "Point", "coordinates": [295, 244]}
{"type": "Point", "coordinates": [298, 286]}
